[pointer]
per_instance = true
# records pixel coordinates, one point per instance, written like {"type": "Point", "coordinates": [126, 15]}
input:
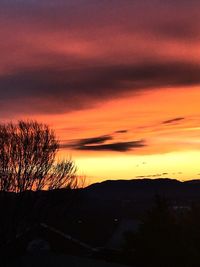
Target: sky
{"type": "Point", "coordinates": [118, 80]}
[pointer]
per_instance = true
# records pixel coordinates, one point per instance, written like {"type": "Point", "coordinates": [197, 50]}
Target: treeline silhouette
{"type": "Point", "coordinates": [167, 237]}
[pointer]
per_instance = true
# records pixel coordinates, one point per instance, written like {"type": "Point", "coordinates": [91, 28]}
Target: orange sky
{"type": "Point", "coordinates": [167, 121]}
{"type": "Point", "coordinates": [119, 81]}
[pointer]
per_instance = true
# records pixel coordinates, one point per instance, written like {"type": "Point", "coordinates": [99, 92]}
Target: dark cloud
{"type": "Point", "coordinates": [93, 140]}
{"type": "Point", "coordinates": [99, 144]}
{"type": "Point", "coordinates": [79, 48]}
{"type": "Point", "coordinates": [165, 173]}
{"type": "Point", "coordinates": [59, 90]}
{"type": "Point", "coordinates": [118, 146]}
{"type": "Point", "coordinates": [121, 131]}
{"type": "Point", "coordinates": [173, 120]}
{"type": "Point", "coordinates": [86, 141]}
{"type": "Point", "coordinates": [119, 12]}
{"type": "Point", "coordinates": [180, 30]}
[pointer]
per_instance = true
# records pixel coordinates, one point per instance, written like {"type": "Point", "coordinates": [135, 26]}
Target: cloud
{"type": "Point", "coordinates": [153, 175]}
{"type": "Point", "coordinates": [74, 144]}
{"type": "Point", "coordinates": [121, 131]}
{"type": "Point", "coordinates": [60, 56]}
{"type": "Point", "coordinates": [93, 140]}
{"type": "Point", "coordinates": [173, 120]}
{"type": "Point", "coordinates": [100, 144]}
{"type": "Point", "coordinates": [118, 146]}
{"type": "Point", "coordinates": [57, 90]}
{"type": "Point", "coordinates": [185, 31]}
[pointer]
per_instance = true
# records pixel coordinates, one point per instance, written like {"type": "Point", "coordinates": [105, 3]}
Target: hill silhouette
{"type": "Point", "coordinates": [94, 213]}
{"type": "Point", "coordinates": [144, 190]}
{"type": "Point", "coordinates": [113, 198]}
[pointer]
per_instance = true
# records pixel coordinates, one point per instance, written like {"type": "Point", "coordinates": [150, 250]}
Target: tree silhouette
{"type": "Point", "coordinates": [27, 159]}
{"type": "Point", "coordinates": [165, 238]}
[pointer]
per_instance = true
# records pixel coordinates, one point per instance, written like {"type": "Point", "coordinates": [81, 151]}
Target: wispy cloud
{"type": "Point", "coordinates": [118, 146]}
{"type": "Point", "coordinates": [156, 175]}
{"type": "Point", "coordinates": [101, 144]}
{"type": "Point", "coordinates": [173, 120]}
{"type": "Point", "coordinates": [121, 131]}
{"type": "Point", "coordinates": [93, 140]}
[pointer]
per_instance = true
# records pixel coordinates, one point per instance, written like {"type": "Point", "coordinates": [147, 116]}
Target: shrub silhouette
{"type": "Point", "coordinates": [166, 238]}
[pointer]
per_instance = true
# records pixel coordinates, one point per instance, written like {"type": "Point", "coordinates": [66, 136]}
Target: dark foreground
{"type": "Point", "coordinates": [137, 223]}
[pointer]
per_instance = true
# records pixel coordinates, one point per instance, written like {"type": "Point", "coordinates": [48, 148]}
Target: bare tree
{"type": "Point", "coordinates": [27, 159]}
{"type": "Point", "coordinates": [62, 174]}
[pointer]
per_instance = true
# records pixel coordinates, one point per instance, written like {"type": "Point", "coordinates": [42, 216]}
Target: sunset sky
{"type": "Point", "coordinates": [118, 80]}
